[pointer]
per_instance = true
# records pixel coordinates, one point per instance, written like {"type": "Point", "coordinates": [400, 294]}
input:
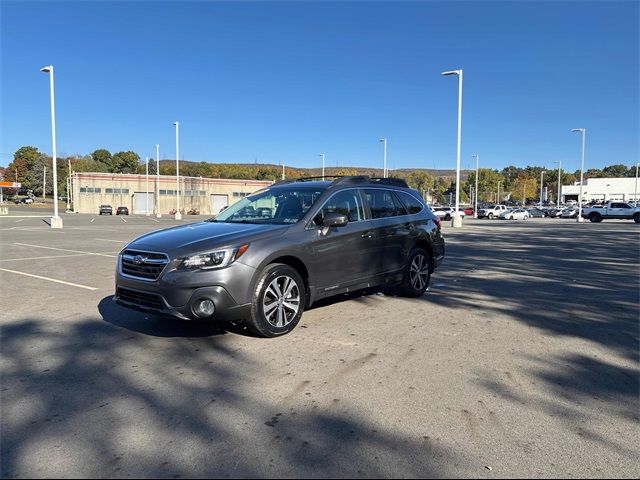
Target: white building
{"type": "Point", "coordinates": [208, 195]}
{"type": "Point", "coordinates": [603, 190]}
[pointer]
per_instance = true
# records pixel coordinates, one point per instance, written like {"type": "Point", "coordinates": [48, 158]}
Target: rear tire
{"type": "Point", "coordinates": [447, 217]}
{"type": "Point", "coordinates": [595, 218]}
{"type": "Point", "coordinates": [278, 301]}
{"type": "Point", "coordinates": [636, 218]}
{"type": "Point", "coordinates": [417, 274]}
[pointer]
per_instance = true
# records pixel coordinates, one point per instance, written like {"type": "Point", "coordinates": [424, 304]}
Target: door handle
{"type": "Point", "coordinates": [367, 235]}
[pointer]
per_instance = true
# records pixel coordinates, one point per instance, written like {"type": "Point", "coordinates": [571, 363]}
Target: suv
{"type": "Point", "coordinates": [274, 253]}
{"type": "Point", "coordinates": [105, 210]}
{"type": "Point", "coordinates": [492, 211]}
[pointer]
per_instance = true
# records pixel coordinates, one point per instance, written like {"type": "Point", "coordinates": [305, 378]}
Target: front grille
{"type": "Point", "coordinates": [148, 300]}
{"type": "Point", "coordinates": [144, 265]}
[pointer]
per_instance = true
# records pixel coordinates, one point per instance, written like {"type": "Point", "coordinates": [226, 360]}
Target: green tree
{"type": "Point", "coordinates": [104, 157]}
{"type": "Point", "coordinates": [420, 180]}
{"type": "Point", "coordinates": [615, 171]}
{"type": "Point", "coordinates": [21, 168]}
{"type": "Point", "coordinates": [125, 162]}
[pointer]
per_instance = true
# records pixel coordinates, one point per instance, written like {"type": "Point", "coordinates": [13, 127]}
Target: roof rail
{"type": "Point", "coordinates": [342, 179]}
{"type": "Point", "coordinates": [398, 182]}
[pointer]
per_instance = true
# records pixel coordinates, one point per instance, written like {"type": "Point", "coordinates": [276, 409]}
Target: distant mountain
{"type": "Point", "coordinates": [314, 172]}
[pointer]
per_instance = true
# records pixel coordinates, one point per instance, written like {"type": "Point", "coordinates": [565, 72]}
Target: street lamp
{"type": "Point", "coordinates": [44, 182]}
{"type": "Point", "coordinates": [635, 192]}
{"type": "Point", "coordinates": [283, 170]}
{"type": "Point", "coordinates": [146, 162]}
{"type": "Point", "coordinates": [56, 221]}
{"type": "Point", "coordinates": [158, 213]}
{"type": "Point", "coordinates": [384, 169]}
{"type": "Point", "coordinates": [498, 193]}
{"type": "Point", "coordinates": [178, 214]}
{"type": "Point", "coordinates": [583, 131]}
{"type": "Point", "coordinates": [541, 177]}
{"type": "Point", "coordinates": [321, 155]}
{"type": "Point", "coordinates": [475, 208]}
{"type": "Point", "coordinates": [457, 219]}
{"type": "Point", "coordinates": [559, 182]}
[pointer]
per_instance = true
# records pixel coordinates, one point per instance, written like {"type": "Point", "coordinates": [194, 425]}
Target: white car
{"type": "Point", "coordinates": [445, 213]}
{"type": "Point", "coordinates": [517, 214]}
{"type": "Point", "coordinates": [569, 213]}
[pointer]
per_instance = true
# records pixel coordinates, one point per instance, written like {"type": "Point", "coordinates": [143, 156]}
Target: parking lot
{"type": "Point", "coordinates": [521, 360]}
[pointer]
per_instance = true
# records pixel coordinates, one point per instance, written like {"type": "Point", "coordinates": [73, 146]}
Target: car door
{"type": "Point", "coordinates": [340, 254]}
{"type": "Point", "coordinates": [390, 228]}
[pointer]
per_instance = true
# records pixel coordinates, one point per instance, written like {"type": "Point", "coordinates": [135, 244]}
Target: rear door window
{"type": "Point", "coordinates": [411, 203]}
{"type": "Point", "coordinates": [383, 203]}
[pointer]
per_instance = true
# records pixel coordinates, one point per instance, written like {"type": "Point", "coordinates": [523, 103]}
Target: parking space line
{"type": "Point", "coordinates": [48, 279]}
{"type": "Point", "coordinates": [65, 250]}
{"type": "Point", "coordinates": [44, 258]}
{"type": "Point", "coordinates": [109, 240]}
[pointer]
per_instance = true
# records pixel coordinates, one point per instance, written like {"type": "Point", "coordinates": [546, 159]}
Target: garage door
{"type": "Point", "coordinates": [140, 203]}
{"type": "Point", "coordinates": [218, 202]}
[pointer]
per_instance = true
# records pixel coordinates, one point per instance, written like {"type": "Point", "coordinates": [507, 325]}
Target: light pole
{"type": "Point", "coordinates": [158, 213]}
{"type": "Point", "coordinates": [44, 182]}
{"type": "Point", "coordinates": [475, 208]}
{"type": "Point", "coordinates": [541, 177]}
{"type": "Point", "coordinates": [498, 193]}
{"type": "Point", "coordinates": [583, 131]}
{"type": "Point", "coordinates": [321, 155]}
{"type": "Point", "coordinates": [283, 170]}
{"type": "Point", "coordinates": [384, 168]}
{"type": "Point", "coordinates": [178, 214]}
{"type": "Point", "coordinates": [457, 219]}
{"type": "Point", "coordinates": [56, 221]}
{"type": "Point", "coordinates": [69, 188]}
{"type": "Point", "coordinates": [146, 161]}
{"type": "Point", "coordinates": [635, 192]}
{"type": "Point", "coordinates": [559, 182]}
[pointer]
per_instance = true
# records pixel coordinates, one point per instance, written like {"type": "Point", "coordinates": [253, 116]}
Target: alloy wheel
{"type": "Point", "coordinates": [281, 301]}
{"type": "Point", "coordinates": [419, 272]}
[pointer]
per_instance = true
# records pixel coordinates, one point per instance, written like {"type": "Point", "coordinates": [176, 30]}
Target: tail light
{"type": "Point", "coordinates": [437, 221]}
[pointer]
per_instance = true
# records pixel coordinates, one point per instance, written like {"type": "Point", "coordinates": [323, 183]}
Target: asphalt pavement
{"type": "Point", "coordinates": [522, 360]}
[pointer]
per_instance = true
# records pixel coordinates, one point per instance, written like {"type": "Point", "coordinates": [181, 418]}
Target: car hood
{"type": "Point", "coordinates": [198, 237]}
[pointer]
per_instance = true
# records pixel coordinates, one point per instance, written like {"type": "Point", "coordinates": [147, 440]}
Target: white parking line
{"type": "Point", "coordinates": [48, 279]}
{"type": "Point", "coordinates": [122, 218]}
{"type": "Point", "coordinates": [44, 258]}
{"type": "Point", "coordinates": [109, 240]}
{"type": "Point", "coordinates": [65, 250]}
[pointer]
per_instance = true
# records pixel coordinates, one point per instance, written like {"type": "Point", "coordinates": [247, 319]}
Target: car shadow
{"type": "Point", "coordinates": [160, 326]}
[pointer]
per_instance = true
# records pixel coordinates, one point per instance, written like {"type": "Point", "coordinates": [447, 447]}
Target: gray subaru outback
{"type": "Point", "coordinates": [274, 253]}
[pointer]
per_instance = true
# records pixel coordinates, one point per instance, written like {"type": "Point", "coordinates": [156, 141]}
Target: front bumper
{"type": "Point", "coordinates": [175, 293]}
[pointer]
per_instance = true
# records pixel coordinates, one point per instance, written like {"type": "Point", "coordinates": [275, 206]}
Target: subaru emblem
{"type": "Point", "coordinates": [138, 260]}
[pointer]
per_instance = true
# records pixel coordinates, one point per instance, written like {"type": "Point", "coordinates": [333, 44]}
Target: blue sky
{"type": "Point", "coordinates": [287, 81]}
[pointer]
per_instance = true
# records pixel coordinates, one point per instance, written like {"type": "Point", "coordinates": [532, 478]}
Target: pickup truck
{"type": "Point", "coordinates": [612, 210]}
{"type": "Point", "coordinates": [492, 211]}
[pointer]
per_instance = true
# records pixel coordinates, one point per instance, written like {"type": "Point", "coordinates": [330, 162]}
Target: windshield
{"type": "Point", "coordinates": [278, 206]}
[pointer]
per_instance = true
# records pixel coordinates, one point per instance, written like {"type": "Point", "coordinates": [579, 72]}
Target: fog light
{"type": "Point", "coordinates": [204, 308]}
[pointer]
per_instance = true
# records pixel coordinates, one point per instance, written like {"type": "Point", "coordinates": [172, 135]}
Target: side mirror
{"type": "Point", "coordinates": [335, 220]}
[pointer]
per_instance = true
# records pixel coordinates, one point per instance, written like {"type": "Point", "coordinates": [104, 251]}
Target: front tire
{"type": "Point", "coordinates": [490, 216]}
{"type": "Point", "coordinates": [636, 218]}
{"type": "Point", "coordinates": [278, 301]}
{"type": "Point", "coordinates": [417, 274]}
{"type": "Point", "coordinates": [595, 218]}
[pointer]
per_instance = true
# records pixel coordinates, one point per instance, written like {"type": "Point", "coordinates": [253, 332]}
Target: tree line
{"type": "Point", "coordinates": [514, 182]}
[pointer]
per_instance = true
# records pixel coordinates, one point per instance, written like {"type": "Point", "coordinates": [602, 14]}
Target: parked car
{"type": "Point", "coordinates": [569, 213]}
{"type": "Point", "coordinates": [612, 210]}
{"type": "Point", "coordinates": [554, 212]}
{"type": "Point", "coordinates": [122, 211]}
{"type": "Point", "coordinates": [537, 213]}
{"type": "Point", "coordinates": [468, 211]}
{"type": "Point", "coordinates": [322, 239]}
{"type": "Point", "coordinates": [444, 213]}
{"type": "Point", "coordinates": [492, 211]}
{"type": "Point", "coordinates": [105, 210]}
{"type": "Point", "coordinates": [25, 201]}
{"type": "Point", "coordinates": [516, 214]}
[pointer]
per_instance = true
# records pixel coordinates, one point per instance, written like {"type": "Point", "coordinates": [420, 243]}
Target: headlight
{"type": "Point", "coordinates": [215, 259]}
